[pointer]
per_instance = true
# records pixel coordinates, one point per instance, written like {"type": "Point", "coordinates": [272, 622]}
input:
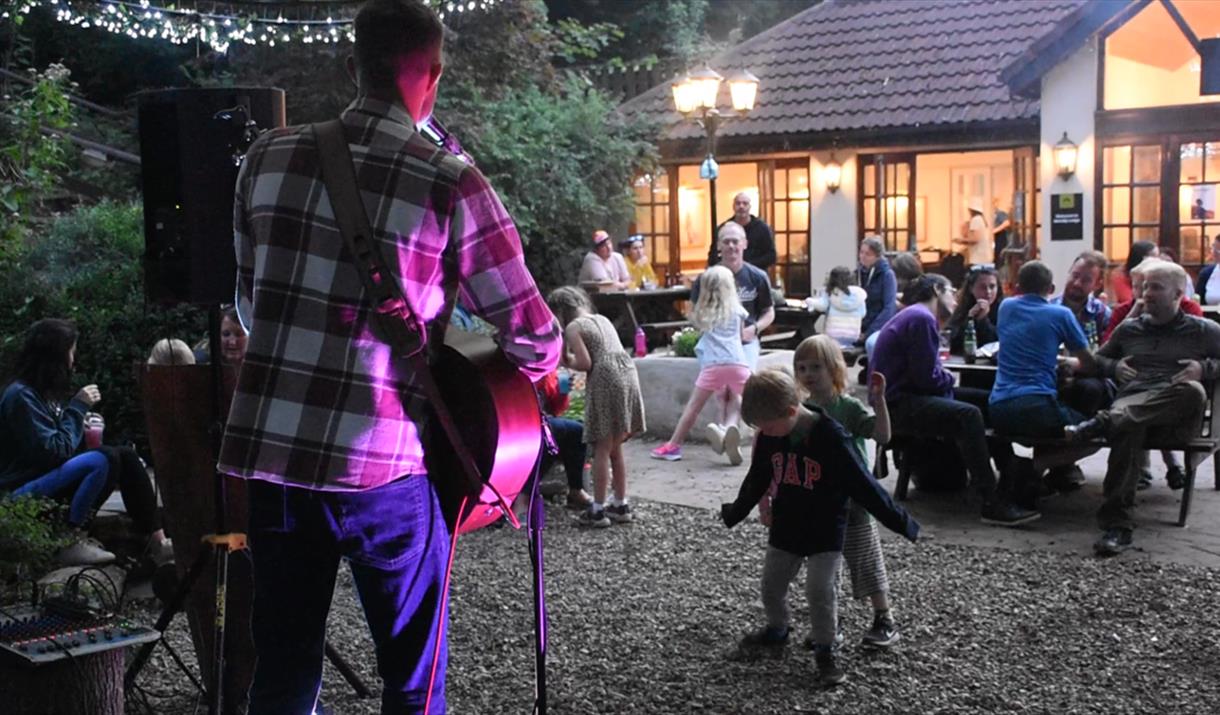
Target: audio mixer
{"type": "Point", "coordinates": [41, 635]}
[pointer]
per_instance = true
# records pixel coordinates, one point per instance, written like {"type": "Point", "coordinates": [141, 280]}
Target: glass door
{"type": "Point", "coordinates": [887, 182]}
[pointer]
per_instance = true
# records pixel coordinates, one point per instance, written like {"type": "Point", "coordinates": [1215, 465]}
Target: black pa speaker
{"type": "Point", "coordinates": [190, 144]}
{"type": "Point", "coordinates": [1209, 66]}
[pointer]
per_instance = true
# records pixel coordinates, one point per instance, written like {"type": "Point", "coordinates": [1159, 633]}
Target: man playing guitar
{"type": "Point", "coordinates": [325, 423]}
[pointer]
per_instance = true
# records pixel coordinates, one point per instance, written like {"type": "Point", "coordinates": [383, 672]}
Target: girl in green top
{"type": "Point", "coordinates": [822, 373]}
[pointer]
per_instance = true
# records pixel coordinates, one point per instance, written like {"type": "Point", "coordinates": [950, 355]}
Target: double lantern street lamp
{"type": "Point", "coordinates": [695, 97]}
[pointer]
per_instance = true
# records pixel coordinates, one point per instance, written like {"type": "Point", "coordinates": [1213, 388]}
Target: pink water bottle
{"type": "Point", "coordinates": [641, 344]}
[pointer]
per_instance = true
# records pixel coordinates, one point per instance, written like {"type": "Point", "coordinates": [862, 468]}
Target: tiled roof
{"type": "Point", "coordinates": [845, 66]}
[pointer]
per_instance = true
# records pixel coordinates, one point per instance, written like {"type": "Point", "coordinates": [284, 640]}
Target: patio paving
{"type": "Point", "coordinates": [704, 479]}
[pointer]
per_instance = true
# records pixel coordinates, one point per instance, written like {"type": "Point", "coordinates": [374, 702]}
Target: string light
{"type": "Point", "coordinates": [221, 24]}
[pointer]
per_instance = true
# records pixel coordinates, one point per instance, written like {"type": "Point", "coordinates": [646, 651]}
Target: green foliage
{"type": "Point", "coordinates": [32, 530]}
{"type": "Point", "coordinates": [683, 343]}
{"type": "Point", "coordinates": [87, 269]}
{"type": "Point", "coordinates": [31, 162]}
{"type": "Point", "coordinates": [561, 161]}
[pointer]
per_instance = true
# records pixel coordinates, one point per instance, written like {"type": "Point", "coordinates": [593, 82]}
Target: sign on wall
{"type": "Point", "coordinates": [1067, 217]}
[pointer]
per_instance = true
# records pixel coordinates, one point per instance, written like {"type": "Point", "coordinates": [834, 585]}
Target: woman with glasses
{"type": "Point", "coordinates": [978, 302]}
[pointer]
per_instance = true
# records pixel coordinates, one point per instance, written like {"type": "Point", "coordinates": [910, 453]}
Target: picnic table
{"type": "Point", "coordinates": [657, 311]}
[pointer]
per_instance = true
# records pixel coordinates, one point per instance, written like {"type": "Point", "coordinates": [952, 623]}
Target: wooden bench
{"type": "Point", "coordinates": [1196, 450]}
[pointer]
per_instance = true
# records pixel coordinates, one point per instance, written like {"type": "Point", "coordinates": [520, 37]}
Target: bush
{"type": "Point", "coordinates": [87, 269]}
{"type": "Point", "coordinates": [683, 343]}
{"type": "Point", "coordinates": [32, 529]}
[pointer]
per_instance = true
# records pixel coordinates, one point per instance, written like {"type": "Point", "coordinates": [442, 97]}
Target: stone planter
{"type": "Point", "coordinates": [667, 383]}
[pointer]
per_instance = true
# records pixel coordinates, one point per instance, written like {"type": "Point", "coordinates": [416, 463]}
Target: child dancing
{"type": "Point", "coordinates": [822, 373]}
{"type": "Point", "coordinates": [816, 470]}
{"type": "Point", "coordinates": [722, 365]}
{"type": "Point", "coordinates": [614, 408]}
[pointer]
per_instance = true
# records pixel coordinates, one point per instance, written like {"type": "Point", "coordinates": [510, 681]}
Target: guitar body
{"type": "Point", "coordinates": [496, 412]}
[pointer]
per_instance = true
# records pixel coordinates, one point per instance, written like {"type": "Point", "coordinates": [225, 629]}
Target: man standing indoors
{"type": "Point", "coordinates": [325, 422]}
{"type": "Point", "coordinates": [760, 240]}
{"type": "Point", "coordinates": [1160, 359]}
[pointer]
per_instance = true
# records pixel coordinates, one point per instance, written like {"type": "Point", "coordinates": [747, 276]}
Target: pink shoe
{"type": "Point", "coordinates": [669, 452]}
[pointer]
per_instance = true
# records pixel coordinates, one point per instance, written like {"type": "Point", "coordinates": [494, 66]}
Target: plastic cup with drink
{"type": "Point", "coordinates": [944, 346]}
{"type": "Point", "coordinates": [94, 427]}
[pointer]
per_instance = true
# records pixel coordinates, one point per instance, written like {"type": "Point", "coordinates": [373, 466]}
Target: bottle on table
{"type": "Point", "coordinates": [970, 342]}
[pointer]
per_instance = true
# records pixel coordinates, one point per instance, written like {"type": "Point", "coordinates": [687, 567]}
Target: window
{"type": "Point", "coordinates": [790, 221]}
{"type": "Point", "coordinates": [1150, 63]}
{"type": "Point", "coordinates": [1198, 178]}
{"type": "Point", "coordinates": [1130, 197]}
{"type": "Point", "coordinates": [652, 219]}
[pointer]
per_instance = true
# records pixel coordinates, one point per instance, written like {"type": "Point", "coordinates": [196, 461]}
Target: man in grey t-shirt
{"type": "Point", "coordinates": [1160, 360]}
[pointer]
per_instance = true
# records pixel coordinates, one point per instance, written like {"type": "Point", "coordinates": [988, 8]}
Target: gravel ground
{"type": "Point", "coordinates": [644, 619]}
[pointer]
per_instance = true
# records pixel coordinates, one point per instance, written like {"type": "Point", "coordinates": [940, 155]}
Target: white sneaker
{"type": "Point", "coordinates": [732, 444]}
{"type": "Point", "coordinates": [85, 552]}
{"type": "Point", "coordinates": [715, 436]}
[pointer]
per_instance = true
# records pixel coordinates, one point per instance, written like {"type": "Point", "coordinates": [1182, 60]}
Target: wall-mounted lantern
{"type": "Point", "coordinates": [832, 174]}
{"type": "Point", "coordinates": [1065, 156]}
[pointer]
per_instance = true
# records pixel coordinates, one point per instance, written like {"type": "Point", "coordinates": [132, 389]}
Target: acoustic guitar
{"type": "Point", "coordinates": [496, 410]}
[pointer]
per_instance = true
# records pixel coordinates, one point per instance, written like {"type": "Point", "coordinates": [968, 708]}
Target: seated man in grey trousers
{"type": "Point", "coordinates": [1160, 360]}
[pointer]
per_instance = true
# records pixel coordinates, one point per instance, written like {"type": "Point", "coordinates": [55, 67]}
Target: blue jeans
{"type": "Point", "coordinates": [570, 439]}
{"type": "Point", "coordinates": [1033, 416]}
{"type": "Point", "coordinates": [397, 544]}
{"type": "Point", "coordinates": [80, 480]}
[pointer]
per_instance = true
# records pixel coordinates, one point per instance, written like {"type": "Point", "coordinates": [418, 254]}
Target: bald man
{"type": "Point", "coordinates": [760, 240]}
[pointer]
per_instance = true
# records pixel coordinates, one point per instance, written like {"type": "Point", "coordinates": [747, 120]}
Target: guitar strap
{"type": "Point", "coordinates": [401, 327]}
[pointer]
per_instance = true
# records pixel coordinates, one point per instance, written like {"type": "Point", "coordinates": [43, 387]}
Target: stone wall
{"type": "Point", "coordinates": [667, 383]}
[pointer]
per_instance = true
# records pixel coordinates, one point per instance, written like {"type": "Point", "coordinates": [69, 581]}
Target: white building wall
{"type": "Point", "coordinates": [1069, 99]}
{"type": "Point", "coordinates": [833, 222]}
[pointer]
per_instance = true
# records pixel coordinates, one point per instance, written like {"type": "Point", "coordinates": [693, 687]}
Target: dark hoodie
{"type": "Point", "coordinates": [881, 286]}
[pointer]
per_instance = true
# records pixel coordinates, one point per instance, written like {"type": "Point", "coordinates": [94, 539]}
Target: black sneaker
{"type": "Point", "coordinates": [1175, 477]}
{"type": "Point", "coordinates": [829, 672]}
{"type": "Point", "coordinates": [1004, 513]}
{"type": "Point", "coordinates": [593, 519]}
{"type": "Point", "coordinates": [884, 632]}
{"type": "Point", "coordinates": [620, 513]}
{"type": "Point", "coordinates": [766, 637]}
{"type": "Point", "coordinates": [1088, 430]}
{"type": "Point", "coordinates": [1113, 542]}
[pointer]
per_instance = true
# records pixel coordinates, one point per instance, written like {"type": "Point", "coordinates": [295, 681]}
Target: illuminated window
{"type": "Point", "coordinates": [652, 219]}
{"type": "Point", "coordinates": [1198, 182]}
{"type": "Point", "coordinates": [790, 221]}
{"type": "Point", "coordinates": [1131, 197]}
{"type": "Point", "coordinates": [1150, 63]}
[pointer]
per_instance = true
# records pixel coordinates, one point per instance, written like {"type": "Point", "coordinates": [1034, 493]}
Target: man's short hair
{"type": "Point", "coordinates": [1035, 278]}
{"type": "Point", "coordinates": [924, 288]}
{"type": "Point", "coordinates": [1093, 258]}
{"type": "Point", "coordinates": [768, 395]}
{"type": "Point", "coordinates": [875, 244]}
{"type": "Point", "coordinates": [1147, 263]}
{"type": "Point", "coordinates": [1169, 270]}
{"type": "Point", "coordinates": [731, 227]}
{"type": "Point", "coordinates": [387, 30]}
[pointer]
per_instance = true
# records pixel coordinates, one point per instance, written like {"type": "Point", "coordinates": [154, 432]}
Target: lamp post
{"type": "Point", "coordinates": [695, 97]}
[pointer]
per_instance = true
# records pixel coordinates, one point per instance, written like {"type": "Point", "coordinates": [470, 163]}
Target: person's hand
{"type": "Point", "coordinates": [1069, 365]}
{"type": "Point", "coordinates": [724, 513]}
{"type": "Point", "coordinates": [1192, 371]}
{"type": "Point", "coordinates": [749, 333]}
{"type": "Point", "coordinates": [1124, 372]}
{"type": "Point", "coordinates": [90, 395]}
{"type": "Point", "coordinates": [981, 308]}
{"type": "Point", "coordinates": [876, 389]}
{"type": "Point", "coordinates": [1137, 309]}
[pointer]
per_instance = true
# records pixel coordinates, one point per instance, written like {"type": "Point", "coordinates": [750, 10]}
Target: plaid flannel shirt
{"type": "Point", "coordinates": [319, 400]}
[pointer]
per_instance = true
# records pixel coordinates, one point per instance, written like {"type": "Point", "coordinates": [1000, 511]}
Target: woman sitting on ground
{"type": "Point", "coordinates": [978, 302]}
{"type": "Point", "coordinates": [40, 445]}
